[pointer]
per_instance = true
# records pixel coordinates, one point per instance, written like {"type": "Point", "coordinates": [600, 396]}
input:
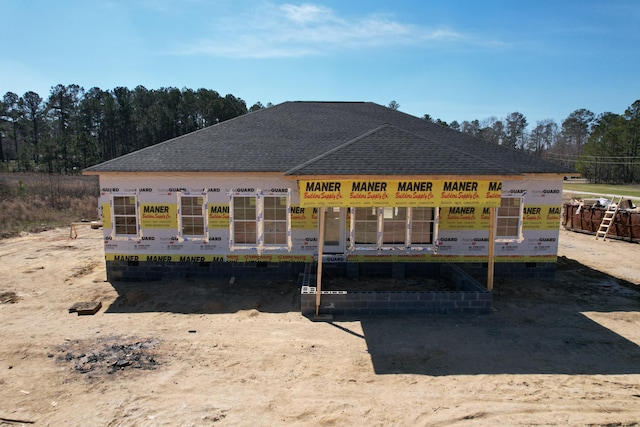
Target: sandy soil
{"type": "Point", "coordinates": [561, 352]}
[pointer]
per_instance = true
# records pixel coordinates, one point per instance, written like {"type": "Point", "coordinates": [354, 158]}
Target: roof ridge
{"type": "Point", "coordinates": [434, 143]}
{"type": "Point", "coordinates": [338, 148]}
{"type": "Point", "coordinates": [470, 154]}
{"type": "Point", "coordinates": [441, 143]}
{"type": "Point", "coordinates": [327, 102]}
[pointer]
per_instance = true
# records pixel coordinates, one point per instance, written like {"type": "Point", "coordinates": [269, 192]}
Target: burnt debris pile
{"type": "Point", "coordinates": [109, 356]}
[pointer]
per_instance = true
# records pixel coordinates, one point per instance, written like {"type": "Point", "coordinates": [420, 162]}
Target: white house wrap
{"type": "Point", "coordinates": [396, 189]}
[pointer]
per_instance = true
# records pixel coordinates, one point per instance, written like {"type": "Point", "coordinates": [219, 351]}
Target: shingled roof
{"type": "Point", "coordinates": [329, 138]}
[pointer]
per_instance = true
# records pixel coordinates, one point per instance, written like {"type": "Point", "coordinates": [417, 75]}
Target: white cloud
{"type": "Point", "coordinates": [307, 13]}
{"type": "Point", "coordinates": [291, 30]}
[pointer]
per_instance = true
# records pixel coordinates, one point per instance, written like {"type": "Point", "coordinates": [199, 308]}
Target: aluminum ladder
{"type": "Point", "coordinates": [608, 217]}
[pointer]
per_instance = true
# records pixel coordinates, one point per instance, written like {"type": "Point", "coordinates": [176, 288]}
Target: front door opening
{"type": "Point", "coordinates": [334, 230]}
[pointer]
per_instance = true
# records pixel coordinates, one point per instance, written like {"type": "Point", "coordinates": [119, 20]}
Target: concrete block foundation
{"type": "Point", "coordinates": [145, 271]}
{"type": "Point", "coordinates": [470, 297]}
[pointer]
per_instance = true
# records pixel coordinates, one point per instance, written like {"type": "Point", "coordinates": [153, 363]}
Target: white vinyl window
{"type": "Point", "coordinates": [422, 226]}
{"type": "Point", "coordinates": [509, 218]}
{"type": "Point", "coordinates": [396, 226]}
{"type": "Point", "coordinates": [275, 220]}
{"type": "Point", "coordinates": [366, 226]}
{"type": "Point", "coordinates": [260, 222]}
{"type": "Point", "coordinates": [125, 216]}
{"type": "Point", "coordinates": [192, 216]}
{"type": "Point", "coordinates": [245, 220]}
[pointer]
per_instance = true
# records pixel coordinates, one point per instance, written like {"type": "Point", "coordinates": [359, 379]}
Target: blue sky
{"type": "Point", "coordinates": [454, 60]}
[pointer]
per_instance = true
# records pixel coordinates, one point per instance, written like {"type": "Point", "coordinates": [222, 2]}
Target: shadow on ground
{"type": "Point", "coordinates": [537, 327]}
{"type": "Point", "coordinates": [206, 296]}
{"type": "Point", "coordinates": [565, 343]}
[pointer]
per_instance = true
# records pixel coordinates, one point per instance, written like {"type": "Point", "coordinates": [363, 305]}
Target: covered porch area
{"type": "Point", "coordinates": [385, 226]}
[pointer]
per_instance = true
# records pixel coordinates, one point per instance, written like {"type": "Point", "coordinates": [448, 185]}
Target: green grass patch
{"type": "Point", "coordinates": [603, 190]}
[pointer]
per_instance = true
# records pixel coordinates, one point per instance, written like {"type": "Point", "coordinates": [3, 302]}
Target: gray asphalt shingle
{"type": "Point", "coordinates": [391, 151]}
{"type": "Point", "coordinates": [366, 138]}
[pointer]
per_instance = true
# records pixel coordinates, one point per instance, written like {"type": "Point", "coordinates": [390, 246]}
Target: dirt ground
{"type": "Point", "coordinates": [556, 352]}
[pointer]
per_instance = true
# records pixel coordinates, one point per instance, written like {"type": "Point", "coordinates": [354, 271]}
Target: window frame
{"type": "Point", "coordinates": [435, 215]}
{"type": "Point", "coordinates": [407, 244]}
{"type": "Point", "coordinates": [518, 237]}
{"type": "Point", "coordinates": [403, 224]}
{"type": "Point", "coordinates": [233, 221]}
{"type": "Point", "coordinates": [355, 222]}
{"type": "Point", "coordinates": [204, 216]}
{"type": "Point", "coordinates": [115, 216]}
{"type": "Point", "coordinates": [260, 245]}
{"type": "Point", "coordinates": [282, 222]}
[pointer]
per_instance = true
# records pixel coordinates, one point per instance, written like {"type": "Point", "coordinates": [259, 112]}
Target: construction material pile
{"type": "Point", "coordinates": [587, 215]}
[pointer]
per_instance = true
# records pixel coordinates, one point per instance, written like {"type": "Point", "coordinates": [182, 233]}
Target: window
{"type": "Point", "coordinates": [245, 223]}
{"type": "Point", "coordinates": [508, 218]}
{"type": "Point", "coordinates": [366, 226]}
{"type": "Point", "coordinates": [260, 222]}
{"type": "Point", "coordinates": [192, 215]}
{"type": "Point", "coordinates": [394, 226]}
{"type": "Point", "coordinates": [422, 222]}
{"type": "Point", "coordinates": [125, 216]}
{"type": "Point", "coordinates": [275, 221]}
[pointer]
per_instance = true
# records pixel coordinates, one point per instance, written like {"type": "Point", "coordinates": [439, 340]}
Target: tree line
{"type": "Point", "coordinates": [75, 128]}
{"type": "Point", "coordinates": [603, 148]}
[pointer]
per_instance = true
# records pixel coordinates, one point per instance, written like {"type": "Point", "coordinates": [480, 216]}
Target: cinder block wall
{"type": "Point", "coordinates": [533, 270]}
{"type": "Point", "coordinates": [141, 271]}
{"type": "Point", "coordinates": [469, 298]}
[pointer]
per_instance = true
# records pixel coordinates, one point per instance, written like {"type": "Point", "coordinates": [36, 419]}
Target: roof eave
{"type": "Point", "coordinates": [472, 177]}
{"type": "Point", "coordinates": [243, 174]}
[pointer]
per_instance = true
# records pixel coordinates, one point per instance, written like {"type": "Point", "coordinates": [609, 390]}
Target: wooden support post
{"type": "Point", "coordinates": [492, 244]}
{"type": "Point", "coordinates": [73, 232]}
{"type": "Point", "coordinates": [320, 250]}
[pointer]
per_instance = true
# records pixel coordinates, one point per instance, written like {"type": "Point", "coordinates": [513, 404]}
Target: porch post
{"type": "Point", "coordinates": [492, 243]}
{"type": "Point", "coordinates": [320, 250]}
